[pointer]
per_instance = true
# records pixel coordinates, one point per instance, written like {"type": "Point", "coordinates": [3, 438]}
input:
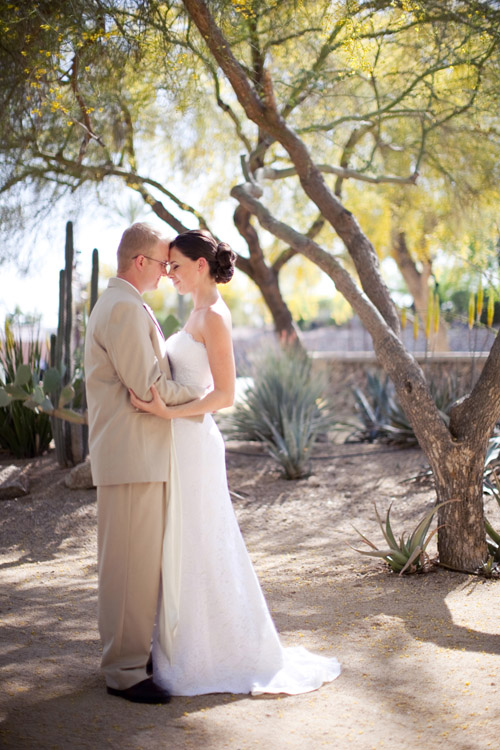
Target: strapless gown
{"type": "Point", "coordinates": [215, 633]}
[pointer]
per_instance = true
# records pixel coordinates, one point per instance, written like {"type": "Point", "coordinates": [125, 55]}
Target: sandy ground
{"type": "Point", "coordinates": [420, 654]}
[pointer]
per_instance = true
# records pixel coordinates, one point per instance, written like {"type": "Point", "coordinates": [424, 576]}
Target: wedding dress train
{"type": "Point", "coordinates": [215, 633]}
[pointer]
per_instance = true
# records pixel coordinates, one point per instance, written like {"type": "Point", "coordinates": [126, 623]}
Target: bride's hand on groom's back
{"type": "Point", "coordinates": [155, 406]}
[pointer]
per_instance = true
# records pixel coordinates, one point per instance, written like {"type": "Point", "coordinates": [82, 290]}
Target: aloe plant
{"type": "Point", "coordinates": [409, 554]}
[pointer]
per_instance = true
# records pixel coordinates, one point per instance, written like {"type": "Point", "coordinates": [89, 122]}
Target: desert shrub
{"type": "Point", "coordinates": [284, 408]}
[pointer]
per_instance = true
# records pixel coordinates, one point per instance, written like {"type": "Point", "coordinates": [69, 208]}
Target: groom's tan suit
{"type": "Point", "coordinates": [129, 452]}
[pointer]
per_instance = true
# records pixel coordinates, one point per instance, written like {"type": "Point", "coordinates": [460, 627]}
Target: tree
{"type": "Point", "coordinates": [81, 98]}
{"type": "Point", "coordinates": [456, 451]}
{"type": "Point", "coordinates": [86, 85]}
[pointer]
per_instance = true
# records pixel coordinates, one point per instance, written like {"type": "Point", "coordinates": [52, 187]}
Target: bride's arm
{"type": "Point", "coordinates": [217, 340]}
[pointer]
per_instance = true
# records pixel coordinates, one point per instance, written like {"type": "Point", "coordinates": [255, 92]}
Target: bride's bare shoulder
{"type": "Point", "coordinates": [218, 314]}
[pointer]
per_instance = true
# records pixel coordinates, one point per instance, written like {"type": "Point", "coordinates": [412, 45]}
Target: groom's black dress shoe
{"type": "Point", "coordinates": [142, 692]}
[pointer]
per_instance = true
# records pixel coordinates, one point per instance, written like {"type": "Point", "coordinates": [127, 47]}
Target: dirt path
{"type": "Point", "coordinates": [420, 654]}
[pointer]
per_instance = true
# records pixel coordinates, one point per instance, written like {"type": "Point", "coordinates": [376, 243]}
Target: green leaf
{"type": "Point", "coordinates": [491, 531]}
{"type": "Point", "coordinates": [38, 395]}
{"type": "Point", "coordinates": [416, 553]}
{"type": "Point", "coordinates": [375, 552]}
{"type": "Point", "coordinates": [51, 380]}
{"type": "Point", "coordinates": [70, 416]}
{"type": "Point", "coordinates": [5, 399]}
{"type": "Point", "coordinates": [419, 534]}
{"type": "Point", "coordinates": [17, 393]}
{"type": "Point", "coordinates": [67, 395]}
{"type": "Point", "coordinates": [47, 406]}
{"type": "Point", "coordinates": [30, 403]}
{"type": "Point", "coordinates": [170, 325]}
{"type": "Point", "coordinates": [23, 375]}
{"type": "Point", "coordinates": [364, 538]}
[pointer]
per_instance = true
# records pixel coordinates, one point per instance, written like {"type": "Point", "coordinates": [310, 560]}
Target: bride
{"type": "Point", "coordinates": [214, 633]}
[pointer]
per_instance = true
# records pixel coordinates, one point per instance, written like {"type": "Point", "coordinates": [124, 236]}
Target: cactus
{"type": "Point", "coordinates": [61, 394]}
{"type": "Point", "coordinates": [94, 279]}
{"type": "Point", "coordinates": [71, 438]}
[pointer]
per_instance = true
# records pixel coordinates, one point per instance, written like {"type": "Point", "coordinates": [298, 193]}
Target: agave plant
{"type": "Point", "coordinates": [285, 409]}
{"type": "Point", "coordinates": [409, 554]}
{"type": "Point", "coordinates": [492, 485]}
{"type": "Point", "coordinates": [382, 416]}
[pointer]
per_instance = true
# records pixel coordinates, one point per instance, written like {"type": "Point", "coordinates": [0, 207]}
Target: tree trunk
{"type": "Point", "coordinates": [418, 286]}
{"type": "Point", "coordinates": [265, 278]}
{"type": "Point", "coordinates": [461, 538]}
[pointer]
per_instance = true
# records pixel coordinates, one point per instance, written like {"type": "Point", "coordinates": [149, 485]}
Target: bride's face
{"type": "Point", "coordinates": [184, 272]}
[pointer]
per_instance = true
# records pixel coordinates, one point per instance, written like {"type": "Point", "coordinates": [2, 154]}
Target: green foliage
{"type": "Point", "coordinates": [169, 325]}
{"type": "Point", "coordinates": [409, 554]}
{"type": "Point", "coordinates": [382, 416]}
{"type": "Point", "coordinates": [24, 432]}
{"type": "Point", "coordinates": [491, 486]}
{"type": "Point", "coordinates": [284, 408]}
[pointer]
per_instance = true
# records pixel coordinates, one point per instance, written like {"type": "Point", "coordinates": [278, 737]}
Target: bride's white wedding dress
{"type": "Point", "coordinates": [215, 632]}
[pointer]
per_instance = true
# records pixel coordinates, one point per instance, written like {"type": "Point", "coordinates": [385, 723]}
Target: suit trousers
{"type": "Point", "coordinates": [130, 528]}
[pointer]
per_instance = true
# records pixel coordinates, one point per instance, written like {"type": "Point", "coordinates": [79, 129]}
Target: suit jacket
{"type": "Point", "coordinates": [124, 349]}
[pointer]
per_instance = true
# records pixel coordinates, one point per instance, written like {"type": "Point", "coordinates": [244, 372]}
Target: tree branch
{"type": "Point", "coordinates": [268, 173]}
{"type": "Point", "coordinates": [290, 252]}
{"type": "Point", "coordinates": [266, 117]}
{"type": "Point", "coordinates": [398, 362]}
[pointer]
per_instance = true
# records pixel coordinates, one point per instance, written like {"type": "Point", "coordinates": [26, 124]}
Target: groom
{"type": "Point", "coordinates": [129, 452]}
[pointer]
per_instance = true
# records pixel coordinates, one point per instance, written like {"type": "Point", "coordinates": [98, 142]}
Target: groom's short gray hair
{"type": "Point", "coordinates": [138, 239]}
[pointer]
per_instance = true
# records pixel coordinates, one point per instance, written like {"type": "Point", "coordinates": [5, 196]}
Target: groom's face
{"type": "Point", "coordinates": [153, 269]}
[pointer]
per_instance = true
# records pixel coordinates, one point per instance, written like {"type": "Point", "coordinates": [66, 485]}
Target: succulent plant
{"type": "Point", "coordinates": [285, 409]}
{"type": "Point", "coordinates": [409, 554]}
{"type": "Point", "coordinates": [39, 398]}
{"type": "Point", "coordinates": [382, 417]}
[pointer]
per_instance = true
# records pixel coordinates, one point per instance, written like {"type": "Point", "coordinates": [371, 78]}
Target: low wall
{"type": "Point", "coordinates": [346, 370]}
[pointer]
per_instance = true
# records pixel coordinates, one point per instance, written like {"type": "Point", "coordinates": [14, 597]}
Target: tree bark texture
{"type": "Point", "coordinates": [459, 478]}
{"type": "Point", "coordinates": [265, 278]}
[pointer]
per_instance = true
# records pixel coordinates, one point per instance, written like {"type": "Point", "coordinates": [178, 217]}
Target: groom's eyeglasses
{"type": "Point", "coordinates": [164, 263]}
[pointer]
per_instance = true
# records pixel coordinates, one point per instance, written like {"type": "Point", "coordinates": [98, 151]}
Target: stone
{"type": "Point", "coordinates": [80, 477]}
{"type": "Point", "coordinates": [14, 482]}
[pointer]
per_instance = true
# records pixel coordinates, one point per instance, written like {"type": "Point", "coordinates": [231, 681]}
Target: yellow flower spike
{"type": "Point", "coordinates": [415, 326]}
{"type": "Point", "coordinates": [480, 301]}
{"type": "Point", "coordinates": [437, 311]}
{"type": "Point", "coordinates": [403, 318]}
{"type": "Point", "coordinates": [429, 316]}
{"type": "Point", "coordinates": [472, 307]}
{"type": "Point", "coordinates": [491, 307]}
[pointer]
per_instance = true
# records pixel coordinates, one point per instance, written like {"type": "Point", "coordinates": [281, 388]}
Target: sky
{"type": "Point", "coordinates": [38, 290]}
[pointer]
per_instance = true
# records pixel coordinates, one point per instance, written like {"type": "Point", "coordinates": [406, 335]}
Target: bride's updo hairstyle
{"type": "Point", "coordinates": [198, 243]}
